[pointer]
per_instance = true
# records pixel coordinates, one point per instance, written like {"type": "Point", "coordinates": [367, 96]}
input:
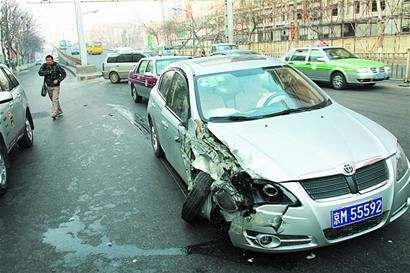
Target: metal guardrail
{"type": "Point", "coordinates": [66, 58]}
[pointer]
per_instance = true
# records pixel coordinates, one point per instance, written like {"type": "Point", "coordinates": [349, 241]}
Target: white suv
{"type": "Point", "coordinates": [16, 123]}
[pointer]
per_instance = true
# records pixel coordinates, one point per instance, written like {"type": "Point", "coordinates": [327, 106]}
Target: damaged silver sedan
{"type": "Point", "coordinates": [266, 151]}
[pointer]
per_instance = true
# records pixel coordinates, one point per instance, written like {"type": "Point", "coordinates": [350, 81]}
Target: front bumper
{"type": "Point", "coordinates": [309, 225]}
{"type": "Point", "coordinates": [367, 78]}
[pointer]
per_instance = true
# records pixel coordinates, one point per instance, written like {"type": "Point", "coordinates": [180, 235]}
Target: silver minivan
{"type": "Point", "coordinates": [117, 65]}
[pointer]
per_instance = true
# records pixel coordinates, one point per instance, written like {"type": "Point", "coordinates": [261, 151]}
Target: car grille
{"type": "Point", "coordinates": [381, 69]}
{"type": "Point", "coordinates": [336, 185]}
{"type": "Point", "coordinates": [333, 234]}
{"type": "Point", "coordinates": [371, 175]}
{"type": "Point", "coordinates": [326, 187]}
{"type": "Point", "coordinates": [373, 69]}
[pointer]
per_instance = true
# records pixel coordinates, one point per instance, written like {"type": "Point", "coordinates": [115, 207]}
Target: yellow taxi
{"type": "Point", "coordinates": [95, 49]}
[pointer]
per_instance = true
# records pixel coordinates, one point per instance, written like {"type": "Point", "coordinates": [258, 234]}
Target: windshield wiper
{"type": "Point", "coordinates": [232, 118]}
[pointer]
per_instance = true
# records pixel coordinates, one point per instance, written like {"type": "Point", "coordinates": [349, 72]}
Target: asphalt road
{"type": "Point", "coordinates": [91, 197]}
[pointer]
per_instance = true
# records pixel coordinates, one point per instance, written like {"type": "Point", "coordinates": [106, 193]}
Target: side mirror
{"type": "Point", "coordinates": [5, 96]}
{"type": "Point", "coordinates": [321, 59]}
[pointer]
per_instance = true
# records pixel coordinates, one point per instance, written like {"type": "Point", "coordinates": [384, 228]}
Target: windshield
{"type": "Point", "coordinates": [162, 64]}
{"type": "Point", "coordinates": [338, 53]}
{"type": "Point", "coordinates": [255, 93]}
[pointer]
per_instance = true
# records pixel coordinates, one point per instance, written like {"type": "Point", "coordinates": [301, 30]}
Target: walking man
{"type": "Point", "coordinates": [53, 75]}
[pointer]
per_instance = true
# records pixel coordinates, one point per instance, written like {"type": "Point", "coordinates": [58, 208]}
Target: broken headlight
{"type": "Point", "coordinates": [266, 192]}
{"type": "Point", "coordinates": [401, 163]}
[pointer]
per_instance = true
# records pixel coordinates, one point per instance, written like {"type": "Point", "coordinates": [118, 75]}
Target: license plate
{"type": "Point", "coordinates": [356, 213]}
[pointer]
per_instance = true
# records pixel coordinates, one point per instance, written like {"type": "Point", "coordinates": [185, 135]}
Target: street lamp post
{"type": "Point", "coordinates": [80, 32]}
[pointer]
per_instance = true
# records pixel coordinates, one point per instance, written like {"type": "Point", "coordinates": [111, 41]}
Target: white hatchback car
{"type": "Point", "coordinates": [263, 148]}
{"type": "Point", "coordinates": [16, 123]}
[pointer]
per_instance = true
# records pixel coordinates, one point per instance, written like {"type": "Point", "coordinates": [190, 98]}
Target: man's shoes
{"type": "Point", "coordinates": [60, 114]}
{"type": "Point", "coordinates": [53, 117]}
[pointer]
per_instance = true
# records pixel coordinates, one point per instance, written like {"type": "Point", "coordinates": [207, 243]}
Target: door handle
{"type": "Point", "coordinates": [290, 62]}
{"type": "Point", "coordinates": [164, 124]}
{"type": "Point", "coordinates": [307, 63]}
{"type": "Point", "coordinates": [177, 139]}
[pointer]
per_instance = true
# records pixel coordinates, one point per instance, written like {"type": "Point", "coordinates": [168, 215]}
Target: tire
{"type": "Point", "coordinates": [338, 81]}
{"type": "Point", "coordinates": [26, 141]}
{"type": "Point", "coordinates": [137, 98]}
{"type": "Point", "coordinates": [191, 210]}
{"type": "Point", "coordinates": [3, 170]}
{"type": "Point", "coordinates": [156, 146]}
{"type": "Point", "coordinates": [114, 77]}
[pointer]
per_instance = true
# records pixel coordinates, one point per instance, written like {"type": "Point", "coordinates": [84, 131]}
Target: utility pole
{"type": "Point", "coordinates": [228, 21]}
{"type": "Point", "coordinates": [80, 32]}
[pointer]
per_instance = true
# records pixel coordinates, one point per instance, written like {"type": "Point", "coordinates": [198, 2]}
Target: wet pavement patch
{"type": "Point", "coordinates": [38, 115]}
{"type": "Point", "coordinates": [133, 118]}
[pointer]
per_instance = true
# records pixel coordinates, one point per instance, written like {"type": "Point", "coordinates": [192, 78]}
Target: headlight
{"type": "Point", "coordinates": [401, 163]}
{"type": "Point", "coordinates": [266, 192]}
{"type": "Point", "coordinates": [364, 70]}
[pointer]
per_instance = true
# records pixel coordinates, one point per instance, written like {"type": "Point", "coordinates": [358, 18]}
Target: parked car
{"type": "Point", "coordinates": [75, 51]}
{"type": "Point", "coordinates": [263, 148]}
{"type": "Point", "coordinates": [337, 66]}
{"type": "Point", "coordinates": [218, 48]}
{"type": "Point", "coordinates": [117, 66]}
{"type": "Point", "coordinates": [235, 52]}
{"type": "Point", "coordinates": [16, 126]}
{"type": "Point", "coordinates": [145, 75]}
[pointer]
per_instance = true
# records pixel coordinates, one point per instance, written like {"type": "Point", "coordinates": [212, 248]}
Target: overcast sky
{"type": "Point", "coordinates": [56, 20]}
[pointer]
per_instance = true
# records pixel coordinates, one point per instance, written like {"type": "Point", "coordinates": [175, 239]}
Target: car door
{"type": "Point", "coordinates": [125, 64]}
{"type": "Point", "coordinates": [298, 61]}
{"type": "Point", "coordinates": [319, 69]}
{"type": "Point", "coordinates": [8, 117]}
{"type": "Point", "coordinates": [150, 78]}
{"type": "Point", "coordinates": [174, 117]}
{"type": "Point", "coordinates": [140, 77]}
{"type": "Point", "coordinates": [18, 100]}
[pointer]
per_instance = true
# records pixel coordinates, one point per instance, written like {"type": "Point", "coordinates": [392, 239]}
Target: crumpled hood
{"type": "Point", "coordinates": [303, 145]}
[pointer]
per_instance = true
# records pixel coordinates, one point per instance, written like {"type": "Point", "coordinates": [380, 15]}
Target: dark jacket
{"type": "Point", "coordinates": [51, 73]}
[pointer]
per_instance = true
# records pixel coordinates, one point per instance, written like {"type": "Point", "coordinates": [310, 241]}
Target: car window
{"type": "Point", "coordinates": [299, 55]}
{"type": "Point", "coordinates": [287, 56]}
{"type": "Point", "coordinates": [141, 68]}
{"type": "Point", "coordinates": [136, 58]}
{"type": "Point", "coordinates": [314, 55]}
{"type": "Point", "coordinates": [213, 49]}
{"type": "Point", "coordinates": [150, 68]}
{"type": "Point", "coordinates": [165, 83]}
{"type": "Point", "coordinates": [125, 58]}
{"type": "Point", "coordinates": [13, 81]}
{"type": "Point", "coordinates": [177, 97]}
{"type": "Point", "coordinates": [4, 82]}
{"type": "Point", "coordinates": [112, 59]}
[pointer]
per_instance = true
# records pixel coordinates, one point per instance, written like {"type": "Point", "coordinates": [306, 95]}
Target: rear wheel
{"type": "Point", "coordinates": [3, 171]}
{"type": "Point", "coordinates": [137, 98]}
{"type": "Point", "coordinates": [338, 81]}
{"type": "Point", "coordinates": [191, 210]}
{"type": "Point", "coordinates": [156, 146]}
{"type": "Point", "coordinates": [114, 77]}
{"type": "Point", "coordinates": [26, 141]}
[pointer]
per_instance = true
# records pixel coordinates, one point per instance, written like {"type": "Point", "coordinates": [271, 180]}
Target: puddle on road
{"type": "Point", "coordinates": [65, 238]}
{"type": "Point", "coordinates": [133, 118]}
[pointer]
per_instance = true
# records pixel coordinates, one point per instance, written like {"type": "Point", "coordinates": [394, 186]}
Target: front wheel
{"type": "Point", "coordinates": [338, 81]}
{"type": "Point", "coordinates": [3, 171]}
{"type": "Point", "coordinates": [26, 141]}
{"type": "Point", "coordinates": [137, 98]}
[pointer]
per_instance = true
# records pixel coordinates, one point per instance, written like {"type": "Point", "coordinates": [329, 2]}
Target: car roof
{"type": "Point", "coordinates": [218, 64]}
{"type": "Point", "coordinates": [165, 57]}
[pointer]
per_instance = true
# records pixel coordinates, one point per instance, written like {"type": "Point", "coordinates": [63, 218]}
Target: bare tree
{"type": "Point", "coordinates": [19, 38]}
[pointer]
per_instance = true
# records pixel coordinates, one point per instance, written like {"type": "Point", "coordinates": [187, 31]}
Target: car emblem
{"type": "Point", "coordinates": [348, 168]}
